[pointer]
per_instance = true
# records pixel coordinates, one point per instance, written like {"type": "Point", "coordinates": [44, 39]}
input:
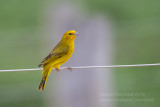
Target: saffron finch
{"type": "Point", "coordinates": [58, 56]}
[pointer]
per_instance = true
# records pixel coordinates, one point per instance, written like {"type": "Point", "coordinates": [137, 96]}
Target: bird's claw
{"type": "Point", "coordinates": [70, 69]}
{"type": "Point", "coordinates": [57, 69]}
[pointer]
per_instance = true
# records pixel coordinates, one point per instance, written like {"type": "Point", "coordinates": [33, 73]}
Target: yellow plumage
{"type": "Point", "coordinates": [58, 56]}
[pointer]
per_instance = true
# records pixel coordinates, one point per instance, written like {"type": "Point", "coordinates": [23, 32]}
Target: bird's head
{"type": "Point", "coordinates": [70, 35]}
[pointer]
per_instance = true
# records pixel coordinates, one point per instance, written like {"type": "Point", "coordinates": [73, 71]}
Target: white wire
{"type": "Point", "coordinates": [86, 67]}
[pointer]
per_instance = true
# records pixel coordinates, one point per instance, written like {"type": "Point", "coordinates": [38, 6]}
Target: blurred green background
{"type": "Point", "coordinates": [136, 35]}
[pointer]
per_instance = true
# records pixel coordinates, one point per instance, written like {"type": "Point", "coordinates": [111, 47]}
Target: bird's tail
{"type": "Point", "coordinates": [46, 71]}
{"type": "Point", "coordinates": [42, 84]}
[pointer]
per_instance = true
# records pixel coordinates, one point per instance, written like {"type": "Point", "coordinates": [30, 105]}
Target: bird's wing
{"type": "Point", "coordinates": [56, 53]}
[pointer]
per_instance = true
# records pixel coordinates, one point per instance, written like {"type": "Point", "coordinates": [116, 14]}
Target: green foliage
{"type": "Point", "coordinates": [137, 41]}
{"type": "Point", "coordinates": [19, 13]}
{"type": "Point", "coordinates": [20, 47]}
{"type": "Point", "coordinates": [126, 9]}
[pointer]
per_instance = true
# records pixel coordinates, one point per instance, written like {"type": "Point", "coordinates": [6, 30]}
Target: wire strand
{"type": "Point", "coordinates": [85, 67]}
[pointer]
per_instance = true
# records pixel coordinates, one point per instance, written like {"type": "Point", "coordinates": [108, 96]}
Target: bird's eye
{"type": "Point", "coordinates": [70, 33]}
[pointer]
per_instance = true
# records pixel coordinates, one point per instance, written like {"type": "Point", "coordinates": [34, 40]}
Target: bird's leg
{"type": "Point", "coordinates": [69, 68]}
{"type": "Point", "coordinates": [57, 68]}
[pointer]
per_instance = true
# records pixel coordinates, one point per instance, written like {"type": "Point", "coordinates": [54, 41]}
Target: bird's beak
{"type": "Point", "coordinates": [76, 34]}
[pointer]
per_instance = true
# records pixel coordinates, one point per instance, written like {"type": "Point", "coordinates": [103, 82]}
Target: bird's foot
{"type": "Point", "coordinates": [70, 69]}
{"type": "Point", "coordinates": [57, 69]}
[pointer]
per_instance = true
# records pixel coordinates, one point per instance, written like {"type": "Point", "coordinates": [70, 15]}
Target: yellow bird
{"type": "Point", "coordinates": [58, 56]}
